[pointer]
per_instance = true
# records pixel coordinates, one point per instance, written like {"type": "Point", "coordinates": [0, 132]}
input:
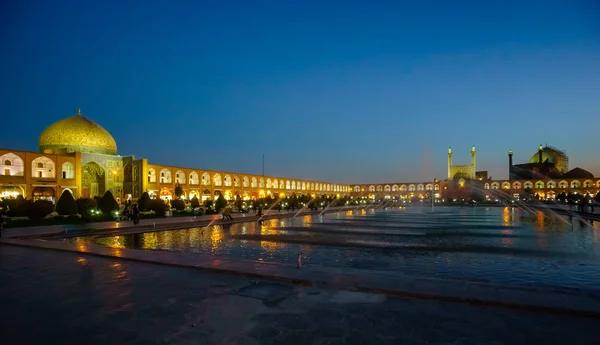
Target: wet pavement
{"type": "Point", "coordinates": [50, 297]}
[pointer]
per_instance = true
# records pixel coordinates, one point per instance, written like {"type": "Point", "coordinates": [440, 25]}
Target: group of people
{"type": "Point", "coordinates": [132, 213]}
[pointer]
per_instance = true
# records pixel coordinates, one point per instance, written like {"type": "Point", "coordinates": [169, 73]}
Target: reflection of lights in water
{"type": "Point", "coordinates": [150, 240]}
{"type": "Point", "coordinates": [363, 212]}
{"type": "Point", "coordinates": [349, 213]}
{"type": "Point", "coordinates": [82, 247]}
{"type": "Point", "coordinates": [506, 216]}
{"type": "Point", "coordinates": [507, 240]}
{"type": "Point", "coordinates": [540, 220]}
{"type": "Point", "coordinates": [120, 271]}
{"type": "Point", "coordinates": [306, 219]}
{"type": "Point", "coordinates": [117, 242]}
{"type": "Point", "coordinates": [82, 260]}
{"type": "Point", "coordinates": [117, 252]}
{"type": "Point", "coordinates": [216, 235]}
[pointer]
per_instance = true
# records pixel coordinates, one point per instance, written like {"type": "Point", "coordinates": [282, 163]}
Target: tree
{"type": "Point", "coordinates": [562, 196]}
{"type": "Point", "coordinates": [66, 204]}
{"type": "Point", "coordinates": [178, 191]}
{"type": "Point", "coordinates": [158, 206]}
{"type": "Point", "coordinates": [39, 209]}
{"type": "Point", "coordinates": [144, 201]}
{"type": "Point", "coordinates": [194, 202]}
{"type": "Point", "coordinates": [85, 205]}
{"type": "Point", "coordinates": [597, 197]}
{"type": "Point", "coordinates": [220, 204]}
{"type": "Point", "coordinates": [108, 204]}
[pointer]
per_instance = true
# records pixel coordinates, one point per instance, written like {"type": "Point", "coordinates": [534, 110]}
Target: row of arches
{"type": "Point", "coordinates": [41, 167]}
{"type": "Point", "coordinates": [563, 184]}
{"type": "Point", "coordinates": [399, 188]}
{"type": "Point", "coordinates": [193, 178]}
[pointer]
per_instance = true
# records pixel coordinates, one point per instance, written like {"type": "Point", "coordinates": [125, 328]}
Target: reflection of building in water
{"type": "Point", "coordinates": [80, 156]}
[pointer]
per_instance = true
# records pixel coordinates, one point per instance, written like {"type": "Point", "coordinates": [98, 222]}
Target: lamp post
{"type": "Point", "coordinates": [115, 174]}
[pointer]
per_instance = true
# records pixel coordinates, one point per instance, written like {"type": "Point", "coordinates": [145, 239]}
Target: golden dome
{"type": "Point", "coordinates": [77, 134]}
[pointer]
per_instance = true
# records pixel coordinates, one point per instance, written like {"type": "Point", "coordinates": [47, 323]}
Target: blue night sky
{"type": "Point", "coordinates": [343, 91]}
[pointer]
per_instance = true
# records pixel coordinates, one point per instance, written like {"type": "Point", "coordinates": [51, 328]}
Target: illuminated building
{"type": "Point", "coordinates": [545, 175]}
{"type": "Point", "coordinates": [79, 155]}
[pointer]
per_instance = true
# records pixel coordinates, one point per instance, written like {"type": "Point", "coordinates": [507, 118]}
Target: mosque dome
{"type": "Point", "coordinates": [77, 134]}
{"type": "Point", "coordinates": [549, 155]}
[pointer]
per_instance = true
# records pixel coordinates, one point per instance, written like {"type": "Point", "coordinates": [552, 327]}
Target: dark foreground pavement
{"type": "Point", "coordinates": [49, 297]}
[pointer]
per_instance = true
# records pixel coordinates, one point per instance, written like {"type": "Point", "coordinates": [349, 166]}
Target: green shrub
{"type": "Point", "coordinates": [159, 207]}
{"type": "Point", "coordinates": [178, 204]}
{"type": "Point", "coordinates": [194, 202]}
{"type": "Point", "coordinates": [39, 209]}
{"type": "Point", "coordinates": [84, 205]}
{"type": "Point", "coordinates": [17, 207]}
{"type": "Point", "coordinates": [108, 204]}
{"type": "Point", "coordinates": [144, 201]}
{"type": "Point", "coordinates": [66, 204]}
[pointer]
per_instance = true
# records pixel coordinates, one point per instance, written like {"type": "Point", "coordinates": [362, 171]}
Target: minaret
{"type": "Point", "coordinates": [473, 161]}
{"type": "Point", "coordinates": [510, 154]}
{"type": "Point", "coordinates": [79, 111]}
{"type": "Point", "coordinates": [449, 163]}
{"type": "Point", "coordinates": [540, 151]}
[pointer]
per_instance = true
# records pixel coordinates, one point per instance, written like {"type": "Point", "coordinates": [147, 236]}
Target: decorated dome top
{"type": "Point", "coordinates": [77, 134]}
{"type": "Point", "coordinates": [549, 155]}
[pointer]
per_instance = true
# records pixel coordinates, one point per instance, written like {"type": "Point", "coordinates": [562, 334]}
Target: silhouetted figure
{"type": "Point", "coordinates": [136, 214]}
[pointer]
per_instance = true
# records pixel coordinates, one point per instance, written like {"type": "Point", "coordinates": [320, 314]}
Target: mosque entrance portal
{"type": "Point", "coordinates": [93, 181]}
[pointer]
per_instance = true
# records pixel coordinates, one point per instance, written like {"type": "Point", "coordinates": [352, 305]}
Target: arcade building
{"type": "Point", "coordinates": [79, 155]}
{"type": "Point", "coordinates": [545, 175]}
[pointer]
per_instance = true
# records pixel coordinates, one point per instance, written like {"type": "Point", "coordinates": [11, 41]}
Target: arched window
{"type": "Point", "coordinates": [371, 188]}
{"type": "Point", "coordinates": [268, 183]}
{"type": "Point", "coordinates": [495, 185]}
{"type": "Point", "coordinates": [539, 185]}
{"type": "Point", "coordinates": [411, 188]}
{"type": "Point", "coordinates": [261, 183]}
{"type": "Point", "coordinates": [246, 182]}
{"type": "Point", "coordinates": [563, 184]}
{"type": "Point", "coordinates": [516, 185]}
{"type": "Point", "coordinates": [357, 188]}
{"type": "Point", "coordinates": [588, 183]}
{"type": "Point", "coordinates": [420, 187]}
{"type": "Point", "coordinates": [68, 170]}
{"type": "Point", "coordinates": [287, 184]}
{"type": "Point", "coordinates": [395, 188]}
{"type": "Point", "coordinates": [151, 175]}
{"type": "Point", "coordinates": [165, 176]}
{"type": "Point", "coordinates": [379, 188]}
{"type": "Point", "coordinates": [575, 184]}
{"type": "Point", "coordinates": [303, 185]}
{"type": "Point", "coordinates": [505, 185]}
{"type": "Point", "coordinates": [205, 179]}
{"type": "Point", "coordinates": [217, 180]}
{"type": "Point", "coordinates": [254, 183]}
{"type": "Point", "coordinates": [236, 181]}
{"type": "Point", "coordinates": [194, 178]}
{"type": "Point", "coordinates": [528, 184]}
{"type": "Point", "coordinates": [387, 188]}
{"type": "Point", "coordinates": [12, 165]}
{"type": "Point", "coordinates": [227, 181]}
{"type": "Point", "coordinates": [180, 177]}
{"type": "Point", "coordinates": [43, 167]}
{"type": "Point", "coordinates": [551, 184]}
{"type": "Point", "coordinates": [403, 188]}
{"type": "Point", "coordinates": [485, 186]}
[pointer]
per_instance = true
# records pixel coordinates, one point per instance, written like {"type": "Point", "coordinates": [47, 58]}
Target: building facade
{"type": "Point", "coordinates": [78, 155]}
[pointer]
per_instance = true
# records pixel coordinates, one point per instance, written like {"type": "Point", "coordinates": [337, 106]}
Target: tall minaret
{"type": "Point", "coordinates": [540, 151]}
{"type": "Point", "coordinates": [473, 161]}
{"type": "Point", "coordinates": [510, 154]}
{"type": "Point", "coordinates": [449, 163]}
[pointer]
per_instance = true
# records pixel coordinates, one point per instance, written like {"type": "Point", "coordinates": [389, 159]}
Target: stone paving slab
{"type": "Point", "coordinates": [66, 298]}
{"type": "Point", "coordinates": [546, 299]}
